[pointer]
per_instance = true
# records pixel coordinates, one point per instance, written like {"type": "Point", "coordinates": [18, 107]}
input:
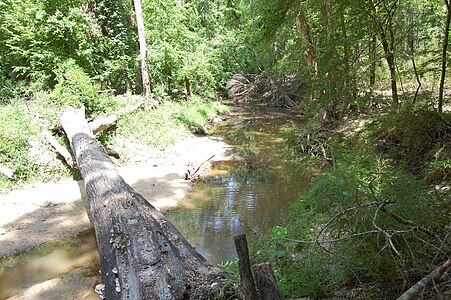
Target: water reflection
{"type": "Point", "coordinates": [42, 264]}
{"type": "Point", "coordinates": [246, 196]}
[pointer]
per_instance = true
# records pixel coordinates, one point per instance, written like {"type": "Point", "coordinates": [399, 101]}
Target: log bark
{"type": "Point", "coordinates": [244, 265]}
{"type": "Point", "coordinates": [266, 282]}
{"type": "Point", "coordinates": [142, 254]}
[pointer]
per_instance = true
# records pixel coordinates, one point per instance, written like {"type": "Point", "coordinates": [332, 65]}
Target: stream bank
{"type": "Point", "coordinates": [249, 195]}
{"type": "Point", "coordinates": [42, 213]}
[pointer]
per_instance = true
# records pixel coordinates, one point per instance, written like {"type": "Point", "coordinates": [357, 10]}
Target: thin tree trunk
{"type": "Point", "coordinates": [373, 61]}
{"type": "Point", "coordinates": [188, 86]}
{"type": "Point", "coordinates": [143, 53]}
{"type": "Point", "coordinates": [444, 56]}
{"type": "Point", "coordinates": [388, 49]}
{"type": "Point", "coordinates": [128, 86]}
{"type": "Point", "coordinates": [304, 29]}
{"type": "Point", "coordinates": [392, 64]}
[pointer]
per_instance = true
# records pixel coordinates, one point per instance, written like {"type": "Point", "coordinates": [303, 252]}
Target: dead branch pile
{"type": "Point", "coordinates": [239, 88]}
{"type": "Point", "coordinates": [266, 90]}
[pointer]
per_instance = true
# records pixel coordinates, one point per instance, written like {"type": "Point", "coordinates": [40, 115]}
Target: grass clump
{"type": "Point", "coordinates": [169, 122]}
{"type": "Point", "coordinates": [14, 140]}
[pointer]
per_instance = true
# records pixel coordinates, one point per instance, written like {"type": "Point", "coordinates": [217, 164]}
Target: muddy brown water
{"type": "Point", "coordinates": [249, 195]}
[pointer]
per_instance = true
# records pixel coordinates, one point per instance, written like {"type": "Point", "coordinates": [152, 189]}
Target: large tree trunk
{"type": "Point", "coordinates": [143, 53]}
{"type": "Point", "coordinates": [444, 55]}
{"type": "Point", "coordinates": [142, 254]}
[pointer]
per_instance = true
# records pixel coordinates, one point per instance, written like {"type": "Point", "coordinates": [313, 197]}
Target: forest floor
{"type": "Point", "coordinates": [45, 212]}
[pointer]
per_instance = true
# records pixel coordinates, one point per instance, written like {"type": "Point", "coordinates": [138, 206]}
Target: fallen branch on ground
{"type": "Point", "coordinates": [192, 176]}
{"type": "Point", "coordinates": [426, 281]}
{"type": "Point", "coordinates": [59, 148]}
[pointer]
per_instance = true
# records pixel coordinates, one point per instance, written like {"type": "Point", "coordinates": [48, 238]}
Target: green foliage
{"type": "Point", "coordinates": [14, 140]}
{"type": "Point", "coordinates": [230, 267]}
{"type": "Point", "coordinates": [197, 115]}
{"type": "Point", "coordinates": [341, 210]}
{"type": "Point", "coordinates": [37, 37]}
{"type": "Point", "coordinates": [165, 125]}
{"type": "Point", "coordinates": [75, 88]}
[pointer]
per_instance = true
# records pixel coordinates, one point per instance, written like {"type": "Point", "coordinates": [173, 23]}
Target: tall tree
{"type": "Point", "coordinates": [143, 53]}
{"type": "Point", "coordinates": [444, 55]}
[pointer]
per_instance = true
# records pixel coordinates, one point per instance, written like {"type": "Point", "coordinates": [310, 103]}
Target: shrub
{"type": "Point", "coordinates": [336, 235]}
{"type": "Point", "coordinates": [76, 88]}
{"type": "Point", "coordinates": [14, 139]}
{"type": "Point", "coordinates": [411, 136]}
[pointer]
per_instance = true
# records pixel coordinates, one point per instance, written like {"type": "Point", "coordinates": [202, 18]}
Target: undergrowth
{"type": "Point", "coordinates": [370, 225]}
{"type": "Point", "coordinates": [168, 123]}
{"type": "Point", "coordinates": [23, 148]}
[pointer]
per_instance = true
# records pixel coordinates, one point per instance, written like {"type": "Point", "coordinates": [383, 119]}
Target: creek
{"type": "Point", "coordinates": [250, 195]}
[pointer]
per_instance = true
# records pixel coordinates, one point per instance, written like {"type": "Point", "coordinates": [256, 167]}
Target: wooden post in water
{"type": "Point", "coordinates": [244, 265]}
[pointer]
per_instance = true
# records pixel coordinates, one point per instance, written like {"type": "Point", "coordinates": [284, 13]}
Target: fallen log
{"type": "Point", "coordinates": [104, 123]}
{"type": "Point", "coordinates": [101, 124]}
{"type": "Point", "coordinates": [142, 254]}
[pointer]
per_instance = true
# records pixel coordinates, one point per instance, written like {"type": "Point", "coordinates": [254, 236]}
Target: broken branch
{"type": "Point", "coordinates": [426, 281]}
{"type": "Point", "coordinates": [59, 148]}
